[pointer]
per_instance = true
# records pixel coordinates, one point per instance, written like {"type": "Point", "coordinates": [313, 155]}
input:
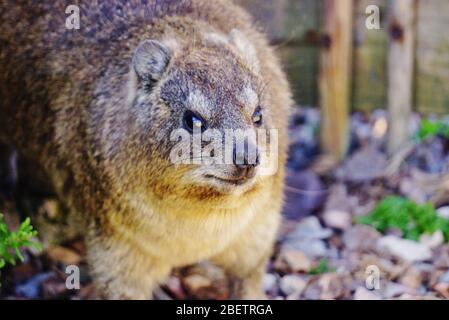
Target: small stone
{"type": "Point", "coordinates": [269, 281]}
{"type": "Point", "coordinates": [335, 285]}
{"type": "Point", "coordinates": [435, 277]}
{"type": "Point", "coordinates": [310, 228]}
{"type": "Point", "coordinates": [362, 293]}
{"type": "Point", "coordinates": [407, 250]}
{"type": "Point", "coordinates": [349, 261]}
{"type": "Point", "coordinates": [432, 241]}
{"type": "Point", "coordinates": [361, 238]}
{"type": "Point", "coordinates": [394, 290]}
{"type": "Point", "coordinates": [333, 253]}
{"type": "Point", "coordinates": [443, 289]}
{"type": "Point", "coordinates": [413, 278]}
{"type": "Point", "coordinates": [395, 232]}
{"type": "Point", "coordinates": [441, 257]}
{"type": "Point", "coordinates": [307, 237]}
{"type": "Point", "coordinates": [337, 219]}
{"type": "Point", "coordinates": [313, 290]}
{"type": "Point", "coordinates": [443, 212]}
{"type": "Point", "coordinates": [292, 261]}
{"type": "Point", "coordinates": [364, 165]}
{"type": "Point", "coordinates": [313, 248]}
{"type": "Point", "coordinates": [426, 270]}
{"type": "Point", "coordinates": [292, 285]}
{"type": "Point", "coordinates": [340, 199]}
{"type": "Point", "coordinates": [445, 277]}
{"type": "Point", "coordinates": [63, 255]}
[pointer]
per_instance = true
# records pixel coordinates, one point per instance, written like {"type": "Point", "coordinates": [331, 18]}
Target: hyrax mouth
{"type": "Point", "coordinates": [230, 181]}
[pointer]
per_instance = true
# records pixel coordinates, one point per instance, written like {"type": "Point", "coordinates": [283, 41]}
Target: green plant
{"type": "Point", "coordinates": [431, 129]}
{"type": "Point", "coordinates": [411, 219]}
{"type": "Point", "coordinates": [11, 242]}
{"type": "Point", "coordinates": [321, 267]}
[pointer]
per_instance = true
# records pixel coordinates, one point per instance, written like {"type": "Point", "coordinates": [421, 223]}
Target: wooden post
{"type": "Point", "coordinates": [432, 56]}
{"type": "Point", "coordinates": [400, 71]}
{"type": "Point", "coordinates": [335, 75]}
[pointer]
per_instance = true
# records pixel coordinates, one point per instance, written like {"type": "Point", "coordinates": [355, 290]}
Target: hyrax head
{"type": "Point", "coordinates": [202, 115]}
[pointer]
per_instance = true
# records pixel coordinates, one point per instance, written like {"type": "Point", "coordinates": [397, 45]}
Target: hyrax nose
{"type": "Point", "coordinates": [246, 157]}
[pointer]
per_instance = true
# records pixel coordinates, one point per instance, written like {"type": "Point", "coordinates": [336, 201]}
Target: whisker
{"type": "Point", "coordinates": [304, 191]}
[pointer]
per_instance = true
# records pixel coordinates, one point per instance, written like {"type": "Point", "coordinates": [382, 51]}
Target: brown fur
{"type": "Point", "coordinates": [71, 100]}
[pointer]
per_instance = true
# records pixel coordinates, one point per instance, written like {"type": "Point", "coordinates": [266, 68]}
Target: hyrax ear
{"type": "Point", "coordinates": [150, 60]}
{"type": "Point", "coordinates": [245, 48]}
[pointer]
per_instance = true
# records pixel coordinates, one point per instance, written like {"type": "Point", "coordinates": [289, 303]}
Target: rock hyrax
{"type": "Point", "coordinates": [95, 108]}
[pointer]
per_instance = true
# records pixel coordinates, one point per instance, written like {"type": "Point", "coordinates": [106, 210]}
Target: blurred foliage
{"type": "Point", "coordinates": [321, 267]}
{"type": "Point", "coordinates": [11, 242]}
{"type": "Point", "coordinates": [431, 129]}
{"type": "Point", "coordinates": [411, 219]}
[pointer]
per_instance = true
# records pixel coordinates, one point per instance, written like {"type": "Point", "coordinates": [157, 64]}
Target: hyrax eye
{"type": "Point", "coordinates": [257, 116]}
{"type": "Point", "coordinates": [193, 122]}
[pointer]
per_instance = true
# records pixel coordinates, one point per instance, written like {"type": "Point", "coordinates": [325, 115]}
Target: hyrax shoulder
{"type": "Point", "coordinates": [97, 108]}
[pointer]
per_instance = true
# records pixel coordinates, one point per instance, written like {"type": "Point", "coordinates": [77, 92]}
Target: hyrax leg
{"type": "Point", "coordinates": [246, 259]}
{"type": "Point", "coordinates": [121, 270]}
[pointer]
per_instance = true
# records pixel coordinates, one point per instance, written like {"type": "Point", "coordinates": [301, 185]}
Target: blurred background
{"type": "Point", "coordinates": [366, 214]}
{"type": "Point", "coordinates": [295, 26]}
